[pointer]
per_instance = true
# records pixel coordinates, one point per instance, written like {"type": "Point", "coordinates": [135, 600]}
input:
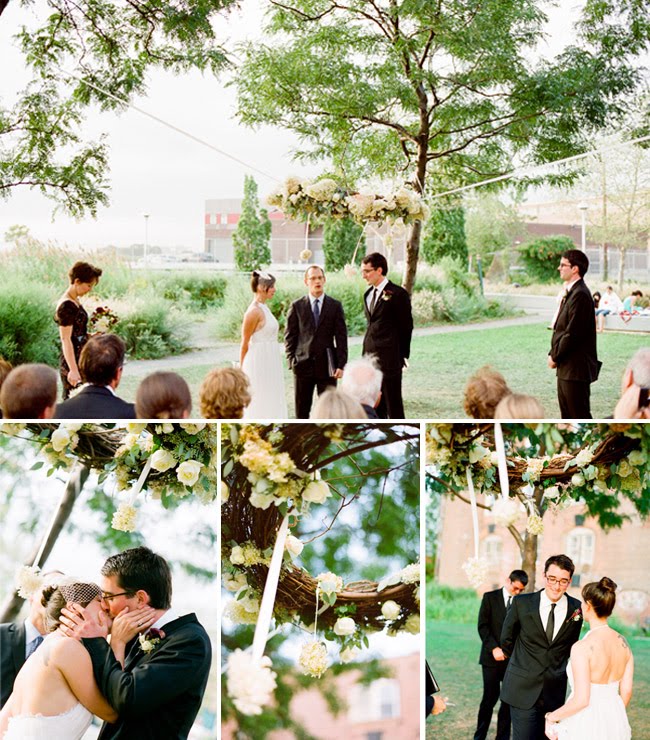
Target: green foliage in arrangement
{"type": "Point", "coordinates": [542, 256]}
{"type": "Point", "coordinates": [251, 237]}
{"type": "Point", "coordinates": [444, 235]}
{"type": "Point", "coordinates": [27, 329]}
{"type": "Point", "coordinates": [340, 239]}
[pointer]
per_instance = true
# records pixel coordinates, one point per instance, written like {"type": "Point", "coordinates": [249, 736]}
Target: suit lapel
{"type": "Point", "coordinates": [538, 619]}
{"type": "Point", "coordinates": [18, 646]}
{"type": "Point", "coordinates": [365, 302]}
{"type": "Point", "coordinates": [133, 654]}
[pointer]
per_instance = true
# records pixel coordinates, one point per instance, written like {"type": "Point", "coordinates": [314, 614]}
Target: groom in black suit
{"type": "Point", "coordinates": [491, 616]}
{"type": "Point", "coordinates": [573, 346]}
{"type": "Point", "coordinates": [316, 341]}
{"type": "Point", "coordinates": [158, 690]}
{"type": "Point", "coordinates": [538, 633]}
{"type": "Point", "coordinates": [388, 336]}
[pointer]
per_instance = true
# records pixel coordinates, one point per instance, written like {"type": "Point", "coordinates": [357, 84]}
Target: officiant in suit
{"type": "Point", "coordinates": [491, 617]}
{"type": "Point", "coordinates": [316, 341]}
{"type": "Point", "coordinates": [573, 346]}
{"type": "Point", "coordinates": [537, 636]}
{"type": "Point", "coordinates": [388, 336]}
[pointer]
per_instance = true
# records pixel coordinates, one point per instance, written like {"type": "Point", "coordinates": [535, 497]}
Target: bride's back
{"type": "Point", "coordinates": [609, 654]}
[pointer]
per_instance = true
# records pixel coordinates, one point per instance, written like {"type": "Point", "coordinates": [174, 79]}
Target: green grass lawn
{"type": "Point", "coordinates": [442, 363]}
{"type": "Point", "coordinates": [452, 651]}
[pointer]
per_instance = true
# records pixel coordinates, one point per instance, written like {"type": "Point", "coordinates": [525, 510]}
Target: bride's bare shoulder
{"type": "Point", "coordinates": [61, 648]}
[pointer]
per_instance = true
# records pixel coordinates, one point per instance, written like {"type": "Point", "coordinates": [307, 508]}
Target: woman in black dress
{"type": "Point", "coordinates": [72, 319]}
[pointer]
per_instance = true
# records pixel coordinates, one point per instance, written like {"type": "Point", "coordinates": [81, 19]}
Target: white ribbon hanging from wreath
{"type": "Point", "coordinates": [475, 567]}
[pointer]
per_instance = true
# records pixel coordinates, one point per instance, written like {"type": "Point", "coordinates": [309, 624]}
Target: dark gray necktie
{"type": "Point", "coordinates": [550, 625]}
{"type": "Point", "coordinates": [374, 300]}
{"type": "Point", "coordinates": [509, 602]}
{"type": "Point", "coordinates": [316, 311]}
{"type": "Point", "coordinates": [31, 648]}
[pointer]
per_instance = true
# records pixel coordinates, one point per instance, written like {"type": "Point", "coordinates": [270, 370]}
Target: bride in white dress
{"type": "Point", "coordinates": [261, 353]}
{"type": "Point", "coordinates": [55, 694]}
{"type": "Point", "coordinates": [600, 674]}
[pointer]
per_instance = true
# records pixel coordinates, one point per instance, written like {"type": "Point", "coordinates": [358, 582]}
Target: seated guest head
{"type": "Point", "coordinates": [596, 296]}
{"type": "Point", "coordinates": [518, 406]}
{"type": "Point", "coordinates": [102, 360]}
{"type": "Point", "coordinates": [335, 404]}
{"type": "Point", "coordinates": [263, 284]}
{"type": "Point", "coordinates": [578, 259]}
{"type": "Point", "coordinates": [84, 276]}
{"type": "Point", "coordinates": [224, 394]}
{"type": "Point", "coordinates": [362, 381]}
{"type": "Point", "coordinates": [483, 392]}
{"type": "Point", "coordinates": [29, 392]}
{"type": "Point", "coordinates": [635, 388]}
{"type": "Point", "coordinates": [600, 596]}
{"type": "Point", "coordinates": [163, 395]}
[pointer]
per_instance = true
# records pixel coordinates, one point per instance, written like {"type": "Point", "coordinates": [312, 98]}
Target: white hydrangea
{"type": "Point", "coordinates": [250, 683]}
{"type": "Point", "coordinates": [124, 518]}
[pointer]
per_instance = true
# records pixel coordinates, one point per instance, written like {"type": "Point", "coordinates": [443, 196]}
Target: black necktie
{"type": "Point", "coordinates": [31, 648]}
{"type": "Point", "coordinates": [374, 300]}
{"type": "Point", "coordinates": [550, 625]}
{"type": "Point", "coordinates": [316, 312]}
{"type": "Point", "coordinates": [509, 602]}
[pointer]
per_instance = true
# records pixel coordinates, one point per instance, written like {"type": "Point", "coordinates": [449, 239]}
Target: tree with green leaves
{"type": "Point", "coordinates": [444, 94]}
{"type": "Point", "coordinates": [92, 53]}
{"type": "Point", "coordinates": [341, 237]}
{"type": "Point", "coordinates": [444, 235]}
{"type": "Point", "coordinates": [251, 237]}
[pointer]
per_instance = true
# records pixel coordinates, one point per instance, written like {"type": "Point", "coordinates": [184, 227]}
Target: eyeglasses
{"type": "Point", "coordinates": [367, 270]}
{"type": "Point", "coordinates": [561, 581]}
{"type": "Point", "coordinates": [565, 264]}
{"type": "Point", "coordinates": [108, 597]}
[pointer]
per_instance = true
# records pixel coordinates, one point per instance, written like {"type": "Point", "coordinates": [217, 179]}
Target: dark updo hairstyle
{"type": "Point", "coordinates": [67, 590]}
{"type": "Point", "coordinates": [84, 272]}
{"type": "Point", "coordinates": [163, 395]}
{"type": "Point", "coordinates": [601, 596]}
{"type": "Point", "coordinates": [261, 280]}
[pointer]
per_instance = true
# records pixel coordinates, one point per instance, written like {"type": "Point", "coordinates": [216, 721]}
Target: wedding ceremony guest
{"type": "Point", "coordinates": [335, 404]}
{"type": "Point", "coordinates": [491, 616]}
{"type": "Point", "coordinates": [601, 675]}
{"type": "Point", "coordinates": [29, 392]}
{"type": "Point", "coordinates": [18, 640]}
{"type": "Point", "coordinates": [101, 364]}
{"type": "Point", "coordinates": [388, 337]}
{"type": "Point", "coordinates": [609, 303]}
{"type": "Point", "coordinates": [224, 394]}
{"type": "Point", "coordinates": [519, 406]}
{"type": "Point", "coordinates": [630, 302]}
{"type": "Point", "coordinates": [72, 319]}
{"type": "Point", "coordinates": [483, 392]}
{"type": "Point", "coordinates": [315, 341]}
{"type": "Point", "coordinates": [538, 633]}
{"type": "Point", "coordinates": [573, 346]}
{"type": "Point", "coordinates": [163, 395]}
{"type": "Point", "coordinates": [635, 388]}
{"type": "Point", "coordinates": [362, 382]}
{"type": "Point", "coordinates": [259, 354]}
{"type": "Point", "coordinates": [596, 296]}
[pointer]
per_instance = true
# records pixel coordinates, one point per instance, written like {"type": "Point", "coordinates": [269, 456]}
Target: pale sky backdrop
{"type": "Point", "coordinates": [157, 171]}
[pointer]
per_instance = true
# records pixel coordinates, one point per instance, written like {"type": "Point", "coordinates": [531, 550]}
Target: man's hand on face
{"type": "Point", "coordinates": [77, 622]}
{"type": "Point", "coordinates": [127, 624]}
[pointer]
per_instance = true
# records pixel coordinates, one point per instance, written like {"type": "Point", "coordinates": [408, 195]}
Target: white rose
{"type": "Point", "coordinates": [188, 472]}
{"type": "Point", "coordinates": [316, 492]}
{"type": "Point", "coordinates": [577, 480]}
{"type": "Point", "coordinates": [552, 492]}
{"type": "Point", "coordinates": [412, 624]}
{"type": "Point", "coordinates": [348, 654]}
{"type": "Point", "coordinates": [60, 439]}
{"type": "Point", "coordinates": [260, 501]}
{"type": "Point", "coordinates": [584, 457]}
{"type": "Point", "coordinates": [192, 428]}
{"type": "Point", "coordinates": [237, 555]}
{"type": "Point", "coordinates": [135, 428]}
{"type": "Point", "coordinates": [344, 626]}
{"type": "Point", "coordinates": [225, 492]}
{"type": "Point", "coordinates": [72, 427]}
{"type": "Point", "coordinates": [390, 609]}
{"type": "Point", "coordinates": [293, 546]}
{"type": "Point", "coordinates": [162, 460]}
{"type": "Point", "coordinates": [164, 428]}
{"type": "Point", "coordinates": [234, 582]}
{"type": "Point", "coordinates": [130, 440]}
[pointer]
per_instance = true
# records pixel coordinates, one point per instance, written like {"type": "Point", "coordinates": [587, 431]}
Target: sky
{"type": "Point", "coordinates": [158, 171]}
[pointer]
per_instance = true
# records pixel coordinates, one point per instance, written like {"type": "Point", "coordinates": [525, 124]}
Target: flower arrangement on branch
{"type": "Point", "coordinates": [326, 199]}
{"type": "Point", "coordinates": [272, 475]}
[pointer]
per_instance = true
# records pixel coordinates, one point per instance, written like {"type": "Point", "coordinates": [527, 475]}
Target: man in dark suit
{"type": "Point", "coordinates": [491, 616]}
{"type": "Point", "coordinates": [159, 689]}
{"type": "Point", "coordinates": [573, 346]}
{"type": "Point", "coordinates": [537, 636]}
{"type": "Point", "coordinates": [388, 336]}
{"type": "Point", "coordinates": [101, 364]}
{"type": "Point", "coordinates": [316, 341]}
{"type": "Point", "coordinates": [29, 392]}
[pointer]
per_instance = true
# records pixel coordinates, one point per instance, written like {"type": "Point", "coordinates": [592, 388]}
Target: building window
{"type": "Point", "coordinates": [380, 700]}
{"type": "Point", "coordinates": [493, 550]}
{"type": "Point", "coordinates": [580, 548]}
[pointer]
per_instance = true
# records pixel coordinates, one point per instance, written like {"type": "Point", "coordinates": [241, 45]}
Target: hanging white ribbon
{"type": "Point", "coordinates": [472, 500]}
{"type": "Point", "coordinates": [140, 482]}
{"type": "Point", "coordinates": [501, 460]}
{"type": "Point", "coordinates": [270, 589]}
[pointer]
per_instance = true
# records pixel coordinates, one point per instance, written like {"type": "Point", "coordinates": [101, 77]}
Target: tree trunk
{"type": "Point", "coordinates": [413, 244]}
{"type": "Point", "coordinates": [605, 262]}
{"type": "Point", "coordinates": [529, 560]}
{"type": "Point", "coordinates": [621, 268]}
{"type": "Point", "coordinates": [79, 475]}
{"type": "Point", "coordinates": [412, 254]}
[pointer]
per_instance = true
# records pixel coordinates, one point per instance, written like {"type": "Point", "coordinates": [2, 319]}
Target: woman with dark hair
{"type": "Point", "coordinates": [600, 673]}
{"type": "Point", "coordinates": [72, 319]}
{"type": "Point", "coordinates": [55, 694]}
{"type": "Point", "coordinates": [163, 395]}
{"type": "Point", "coordinates": [260, 355]}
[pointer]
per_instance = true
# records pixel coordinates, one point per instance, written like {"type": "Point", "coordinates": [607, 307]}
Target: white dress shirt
{"type": "Point", "coordinates": [560, 611]}
{"type": "Point", "coordinates": [507, 595]}
{"type": "Point", "coordinates": [169, 616]}
{"type": "Point", "coordinates": [379, 288]}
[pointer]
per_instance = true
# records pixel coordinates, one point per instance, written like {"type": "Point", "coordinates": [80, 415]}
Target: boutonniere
{"type": "Point", "coordinates": [386, 295]}
{"type": "Point", "coordinates": [576, 616]}
{"type": "Point", "coordinates": [150, 639]}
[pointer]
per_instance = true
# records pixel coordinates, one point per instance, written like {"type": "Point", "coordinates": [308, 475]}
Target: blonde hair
{"type": "Point", "coordinates": [519, 406]}
{"type": "Point", "coordinates": [483, 392]}
{"type": "Point", "coordinates": [335, 404]}
{"type": "Point", "coordinates": [224, 393]}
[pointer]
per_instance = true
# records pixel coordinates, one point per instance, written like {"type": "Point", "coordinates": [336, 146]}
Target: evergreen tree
{"type": "Point", "coordinates": [251, 237]}
{"type": "Point", "coordinates": [444, 235]}
{"type": "Point", "coordinates": [340, 239]}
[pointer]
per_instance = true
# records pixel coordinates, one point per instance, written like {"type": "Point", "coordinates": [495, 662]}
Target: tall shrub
{"type": "Point", "coordinates": [541, 257]}
{"type": "Point", "coordinates": [251, 237]}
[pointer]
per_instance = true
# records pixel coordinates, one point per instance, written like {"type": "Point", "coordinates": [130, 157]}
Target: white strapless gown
{"type": "Point", "coordinates": [604, 719]}
{"type": "Point", "coordinates": [263, 366]}
{"type": "Point", "coordinates": [70, 725]}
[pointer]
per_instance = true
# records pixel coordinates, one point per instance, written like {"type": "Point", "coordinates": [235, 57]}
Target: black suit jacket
{"type": "Point", "coordinates": [95, 402]}
{"type": "Point", "coordinates": [306, 345]}
{"type": "Point", "coordinates": [573, 346]}
{"type": "Point", "coordinates": [12, 657]}
{"type": "Point", "coordinates": [535, 666]}
{"type": "Point", "coordinates": [491, 616]}
{"type": "Point", "coordinates": [390, 326]}
{"type": "Point", "coordinates": [158, 694]}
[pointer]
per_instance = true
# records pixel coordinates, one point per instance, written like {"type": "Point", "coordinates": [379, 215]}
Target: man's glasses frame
{"type": "Point", "coordinates": [561, 581]}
